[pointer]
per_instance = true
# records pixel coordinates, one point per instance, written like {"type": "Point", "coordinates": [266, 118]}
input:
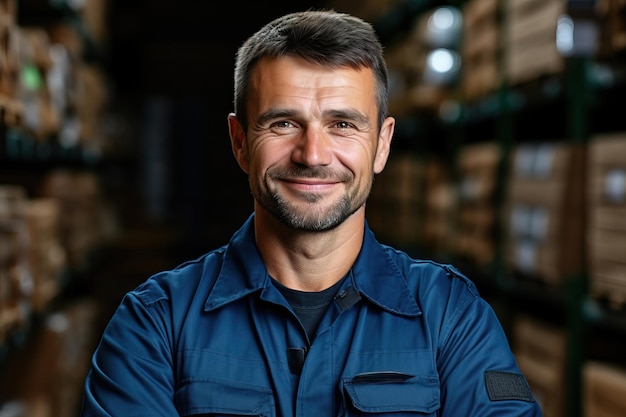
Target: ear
{"type": "Point", "coordinates": [238, 142]}
{"type": "Point", "coordinates": [384, 144]}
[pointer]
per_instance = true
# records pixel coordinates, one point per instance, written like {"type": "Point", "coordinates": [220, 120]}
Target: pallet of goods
{"type": "Point", "coordinates": [11, 108]}
{"type": "Point", "coordinates": [15, 278]}
{"type": "Point", "coordinates": [607, 218]}
{"type": "Point", "coordinates": [49, 93]}
{"type": "Point", "coordinates": [540, 350]}
{"type": "Point", "coordinates": [545, 211]}
{"type": "Point", "coordinates": [604, 390]}
{"type": "Point", "coordinates": [82, 224]}
{"type": "Point", "coordinates": [412, 87]}
{"type": "Point", "coordinates": [46, 254]}
{"type": "Point", "coordinates": [480, 50]}
{"type": "Point", "coordinates": [45, 377]}
{"type": "Point", "coordinates": [612, 15]}
{"type": "Point", "coordinates": [530, 48]}
{"type": "Point", "coordinates": [478, 167]}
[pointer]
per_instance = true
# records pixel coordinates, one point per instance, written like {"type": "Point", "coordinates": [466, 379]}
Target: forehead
{"type": "Point", "coordinates": [292, 78]}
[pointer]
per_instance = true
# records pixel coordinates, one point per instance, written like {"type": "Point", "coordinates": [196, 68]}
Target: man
{"type": "Point", "coordinates": [303, 312]}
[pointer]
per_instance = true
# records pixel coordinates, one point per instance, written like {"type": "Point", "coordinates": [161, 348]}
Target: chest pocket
{"type": "Point", "coordinates": [214, 383]}
{"type": "Point", "coordinates": [391, 394]}
{"type": "Point", "coordinates": [224, 398]}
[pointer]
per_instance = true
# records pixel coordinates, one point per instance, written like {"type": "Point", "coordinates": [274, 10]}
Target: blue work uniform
{"type": "Point", "coordinates": [215, 337]}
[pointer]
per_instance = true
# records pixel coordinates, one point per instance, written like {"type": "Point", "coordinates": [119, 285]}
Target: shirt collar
{"type": "Point", "coordinates": [375, 275]}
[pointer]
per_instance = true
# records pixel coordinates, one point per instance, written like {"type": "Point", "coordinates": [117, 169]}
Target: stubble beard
{"type": "Point", "coordinates": [310, 214]}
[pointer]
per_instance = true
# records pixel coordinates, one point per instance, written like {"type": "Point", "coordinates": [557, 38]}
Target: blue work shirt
{"type": "Point", "coordinates": [215, 337]}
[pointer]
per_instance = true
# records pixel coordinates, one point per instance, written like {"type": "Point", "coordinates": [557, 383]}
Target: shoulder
{"type": "Point", "coordinates": [430, 279]}
{"type": "Point", "coordinates": [436, 273]}
{"type": "Point", "coordinates": [181, 282]}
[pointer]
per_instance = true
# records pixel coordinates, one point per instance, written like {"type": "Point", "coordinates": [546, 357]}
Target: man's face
{"type": "Point", "coordinates": [313, 145]}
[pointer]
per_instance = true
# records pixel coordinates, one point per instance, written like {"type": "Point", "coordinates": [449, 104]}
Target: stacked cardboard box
{"type": "Point", "coordinates": [15, 278]}
{"type": "Point", "coordinates": [613, 36]}
{"type": "Point", "coordinates": [45, 251]}
{"type": "Point", "coordinates": [530, 49]}
{"type": "Point", "coordinates": [81, 90]}
{"type": "Point", "coordinates": [11, 109]}
{"type": "Point", "coordinates": [8, 12]}
{"type": "Point", "coordinates": [48, 92]}
{"type": "Point", "coordinates": [440, 206]}
{"type": "Point", "coordinates": [41, 119]}
{"type": "Point", "coordinates": [478, 167]}
{"type": "Point", "coordinates": [34, 80]}
{"type": "Point", "coordinates": [540, 350]}
{"type": "Point", "coordinates": [604, 393]}
{"type": "Point", "coordinates": [396, 202]}
{"type": "Point", "coordinates": [82, 223]}
{"type": "Point", "coordinates": [410, 88]}
{"type": "Point", "coordinates": [480, 49]}
{"type": "Point", "coordinates": [94, 14]}
{"type": "Point", "coordinates": [46, 376]}
{"type": "Point", "coordinates": [607, 217]}
{"type": "Point", "coordinates": [545, 211]}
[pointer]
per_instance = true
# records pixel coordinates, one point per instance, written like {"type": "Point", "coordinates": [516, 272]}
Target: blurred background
{"type": "Point", "coordinates": [509, 161]}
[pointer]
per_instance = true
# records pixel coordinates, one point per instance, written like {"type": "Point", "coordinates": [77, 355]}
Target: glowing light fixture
{"type": "Point", "coordinates": [442, 65]}
{"type": "Point", "coordinates": [576, 36]}
{"type": "Point", "coordinates": [565, 34]}
{"type": "Point", "coordinates": [444, 27]}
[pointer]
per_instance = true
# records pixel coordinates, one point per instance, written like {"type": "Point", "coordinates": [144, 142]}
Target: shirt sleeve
{"type": "Point", "coordinates": [478, 371]}
{"type": "Point", "coordinates": [131, 372]}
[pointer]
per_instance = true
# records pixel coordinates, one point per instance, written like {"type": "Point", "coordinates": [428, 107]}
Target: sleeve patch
{"type": "Point", "coordinates": [507, 386]}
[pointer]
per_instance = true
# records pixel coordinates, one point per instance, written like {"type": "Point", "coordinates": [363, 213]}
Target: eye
{"type": "Point", "coordinates": [344, 125]}
{"type": "Point", "coordinates": [281, 125]}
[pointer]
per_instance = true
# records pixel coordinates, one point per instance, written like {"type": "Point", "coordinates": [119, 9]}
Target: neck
{"type": "Point", "coordinates": [308, 261]}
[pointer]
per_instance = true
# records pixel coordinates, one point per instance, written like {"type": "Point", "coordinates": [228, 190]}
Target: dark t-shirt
{"type": "Point", "coordinates": [309, 306]}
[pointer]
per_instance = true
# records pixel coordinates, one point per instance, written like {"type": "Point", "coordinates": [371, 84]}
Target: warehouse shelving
{"type": "Point", "coordinates": [570, 105]}
{"type": "Point", "coordinates": [53, 335]}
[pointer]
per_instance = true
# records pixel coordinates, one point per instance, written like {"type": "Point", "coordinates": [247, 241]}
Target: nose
{"type": "Point", "coordinates": [313, 148]}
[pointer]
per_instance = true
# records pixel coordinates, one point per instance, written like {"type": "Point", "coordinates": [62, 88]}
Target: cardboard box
{"type": "Point", "coordinates": [530, 43]}
{"type": "Point", "coordinates": [607, 267]}
{"type": "Point", "coordinates": [8, 13]}
{"type": "Point", "coordinates": [480, 49]}
{"type": "Point", "coordinates": [607, 218]}
{"type": "Point", "coordinates": [607, 170]}
{"type": "Point", "coordinates": [49, 369]}
{"type": "Point", "coordinates": [613, 34]}
{"type": "Point", "coordinates": [14, 273]}
{"type": "Point", "coordinates": [545, 211]}
{"type": "Point", "coordinates": [604, 390]}
{"type": "Point", "coordinates": [81, 226]}
{"type": "Point", "coordinates": [478, 166]}
{"type": "Point", "coordinates": [540, 349]}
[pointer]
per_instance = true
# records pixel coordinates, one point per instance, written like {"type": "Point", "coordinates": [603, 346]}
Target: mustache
{"type": "Point", "coordinates": [322, 173]}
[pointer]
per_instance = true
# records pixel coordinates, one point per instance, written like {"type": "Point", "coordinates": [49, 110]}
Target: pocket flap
{"type": "Point", "coordinates": [416, 394]}
{"type": "Point", "coordinates": [210, 396]}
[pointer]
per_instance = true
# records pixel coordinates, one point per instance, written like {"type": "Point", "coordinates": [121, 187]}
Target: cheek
{"type": "Point", "coordinates": [361, 156]}
{"type": "Point", "coordinates": [360, 164]}
{"type": "Point", "coordinates": [265, 156]}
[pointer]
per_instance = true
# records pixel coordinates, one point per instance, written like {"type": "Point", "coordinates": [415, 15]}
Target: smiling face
{"type": "Point", "coordinates": [313, 143]}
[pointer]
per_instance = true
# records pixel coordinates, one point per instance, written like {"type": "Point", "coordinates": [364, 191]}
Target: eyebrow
{"type": "Point", "coordinates": [347, 114]}
{"type": "Point", "coordinates": [275, 114]}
